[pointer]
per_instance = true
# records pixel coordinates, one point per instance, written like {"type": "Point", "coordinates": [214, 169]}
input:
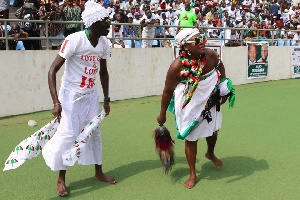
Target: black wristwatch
{"type": "Point", "coordinates": [107, 99]}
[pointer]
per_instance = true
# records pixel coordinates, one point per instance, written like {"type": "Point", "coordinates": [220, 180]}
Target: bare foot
{"type": "Point", "coordinates": [103, 177]}
{"type": "Point", "coordinates": [215, 160]}
{"type": "Point", "coordinates": [61, 189]}
{"type": "Point", "coordinates": [191, 182]}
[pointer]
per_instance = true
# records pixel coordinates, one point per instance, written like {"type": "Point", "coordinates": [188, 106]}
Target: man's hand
{"type": "Point", "coordinates": [16, 37]}
{"type": "Point", "coordinates": [57, 112]}
{"type": "Point", "coordinates": [106, 108]}
{"type": "Point", "coordinates": [223, 100]}
{"type": "Point", "coordinates": [161, 119]}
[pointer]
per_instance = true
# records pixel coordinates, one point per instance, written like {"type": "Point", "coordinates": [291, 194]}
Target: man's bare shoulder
{"type": "Point", "coordinates": [175, 67]}
{"type": "Point", "coordinates": [211, 53]}
{"type": "Point", "coordinates": [176, 63]}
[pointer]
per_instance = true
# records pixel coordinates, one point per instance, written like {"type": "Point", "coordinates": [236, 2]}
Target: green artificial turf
{"type": "Point", "coordinates": [258, 143]}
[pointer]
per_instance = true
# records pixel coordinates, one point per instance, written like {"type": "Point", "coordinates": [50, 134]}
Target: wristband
{"type": "Point", "coordinates": [56, 104]}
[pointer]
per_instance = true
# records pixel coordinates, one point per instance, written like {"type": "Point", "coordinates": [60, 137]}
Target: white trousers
{"type": "Point", "coordinates": [77, 111]}
{"type": "Point", "coordinates": [149, 34]}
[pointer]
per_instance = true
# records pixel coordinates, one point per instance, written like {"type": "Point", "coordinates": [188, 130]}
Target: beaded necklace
{"type": "Point", "coordinates": [191, 73]}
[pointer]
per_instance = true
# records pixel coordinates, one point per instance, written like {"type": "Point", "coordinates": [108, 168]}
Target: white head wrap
{"type": "Point", "coordinates": [93, 12]}
{"type": "Point", "coordinates": [186, 34]}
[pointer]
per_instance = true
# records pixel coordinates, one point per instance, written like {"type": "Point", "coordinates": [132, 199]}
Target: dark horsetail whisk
{"type": "Point", "coordinates": [164, 146]}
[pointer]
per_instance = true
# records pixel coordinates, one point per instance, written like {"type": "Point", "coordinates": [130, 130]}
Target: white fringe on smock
{"type": "Point", "coordinates": [193, 110]}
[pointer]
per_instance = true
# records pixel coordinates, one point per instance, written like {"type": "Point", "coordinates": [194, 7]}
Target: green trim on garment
{"type": "Point", "coordinates": [187, 131]}
{"type": "Point", "coordinates": [171, 106]}
{"type": "Point", "coordinates": [232, 90]}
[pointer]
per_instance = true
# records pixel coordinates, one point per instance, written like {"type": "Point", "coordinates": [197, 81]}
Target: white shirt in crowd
{"type": "Point", "coordinates": [135, 21]}
{"type": "Point", "coordinates": [148, 28]}
{"type": "Point", "coordinates": [170, 15]}
{"type": "Point", "coordinates": [292, 13]}
{"type": "Point", "coordinates": [247, 3]}
{"type": "Point", "coordinates": [231, 13]}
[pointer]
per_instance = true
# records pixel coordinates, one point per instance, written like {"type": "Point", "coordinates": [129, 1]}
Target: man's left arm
{"type": "Point", "coordinates": [104, 78]}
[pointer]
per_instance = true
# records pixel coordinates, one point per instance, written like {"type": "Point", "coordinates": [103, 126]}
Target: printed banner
{"type": "Point", "coordinates": [257, 59]}
{"type": "Point", "coordinates": [295, 51]}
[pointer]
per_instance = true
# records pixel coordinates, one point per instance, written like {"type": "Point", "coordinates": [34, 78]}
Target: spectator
{"type": "Point", "coordinates": [232, 12]}
{"type": "Point", "coordinates": [148, 31]}
{"type": "Point", "coordinates": [121, 3]}
{"type": "Point", "coordinates": [20, 3]}
{"type": "Point", "coordinates": [16, 33]}
{"type": "Point", "coordinates": [131, 13]}
{"type": "Point", "coordinates": [249, 37]}
{"type": "Point", "coordinates": [226, 23]}
{"type": "Point", "coordinates": [213, 33]}
{"type": "Point", "coordinates": [210, 14]}
{"type": "Point", "coordinates": [292, 13]}
{"type": "Point", "coordinates": [163, 19]}
{"type": "Point", "coordinates": [158, 32]}
{"type": "Point", "coordinates": [289, 41]}
{"type": "Point", "coordinates": [116, 11]}
{"type": "Point", "coordinates": [2, 33]}
{"type": "Point", "coordinates": [118, 43]}
{"type": "Point", "coordinates": [130, 31]}
{"type": "Point", "coordinates": [187, 17]}
{"type": "Point", "coordinates": [136, 19]}
{"type": "Point", "coordinates": [157, 13]}
{"type": "Point", "coordinates": [137, 9]}
{"type": "Point", "coordinates": [170, 14]}
{"type": "Point", "coordinates": [50, 11]}
{"type": "Point", "coordinates": [71, 11]}
{"type": "Point", "coordinates": [129, 5]}
{"type": "Point", "coordinates": [110, 7]}
{"type": "Point", "coordinates": [169, 32]}
{"type": "Point", "coordinates": [231, 37]}
{"type": "Point", "coordinates": [29, 12]}
{"type": "Point", "coordinates": [285, 15]}
{"type": "Point", "coordinates": [226, 16]}
{"type": "Point", "coordinates": [176, 5]}
{"type": "Point", "coordinates": [274, 8]}
{"type": "Point", "coordinates": [168, 5]}
{"type": "Point", "coordinates": [4, 8]}
{"type": "Point", "coordinates": [280, 41]}
{"type": "Point", "coordinates": [124, 18]}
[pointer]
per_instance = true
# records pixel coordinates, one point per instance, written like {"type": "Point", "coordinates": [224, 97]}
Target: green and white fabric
{"type": "Point", "coordinates": [31, 147]}
{"type": "Point", "coordinates": [190, 123]}
{"type": "Point", "coordinates": [226, 89]}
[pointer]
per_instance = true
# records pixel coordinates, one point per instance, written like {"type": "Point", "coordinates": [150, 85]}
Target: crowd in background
{"type": "Point", "coordinates": [279, 15]}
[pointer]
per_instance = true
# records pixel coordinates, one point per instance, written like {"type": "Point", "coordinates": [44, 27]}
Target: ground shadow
{"type": "Point", "coordinates": [121, 173]}
{"type": "Point", "coordinates": [237, 167]}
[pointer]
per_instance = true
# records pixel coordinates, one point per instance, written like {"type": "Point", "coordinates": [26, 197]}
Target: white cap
{"type": "Point", "coordinates": [93, 12]}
